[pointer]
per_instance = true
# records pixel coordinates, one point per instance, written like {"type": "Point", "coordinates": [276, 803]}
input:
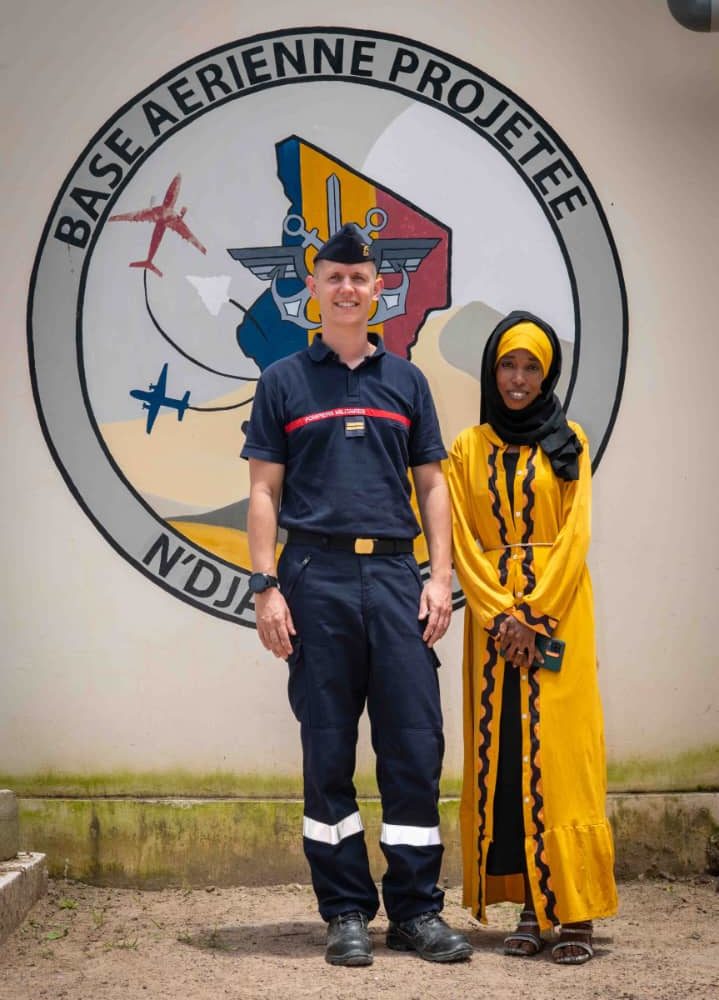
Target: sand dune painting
{"type": "Point", "coordinates": [190, 473]}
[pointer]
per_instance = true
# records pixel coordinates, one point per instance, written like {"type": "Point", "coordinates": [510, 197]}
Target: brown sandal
{"type": "Point", "coordinates": [527, 933]}
{"type": "Point", "coordinates": [559, 951]}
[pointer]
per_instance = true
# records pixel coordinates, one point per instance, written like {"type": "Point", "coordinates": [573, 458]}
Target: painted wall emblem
{"type": "Point", "coordinates": [171, 271]}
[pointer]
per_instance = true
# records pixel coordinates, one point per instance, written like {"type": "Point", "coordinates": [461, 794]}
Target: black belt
{"type": "Point", "coordinates": [349, 543]}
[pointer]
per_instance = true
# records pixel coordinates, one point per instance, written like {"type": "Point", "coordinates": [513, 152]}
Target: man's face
{"type": "Point", "coordinates": [345, 292]}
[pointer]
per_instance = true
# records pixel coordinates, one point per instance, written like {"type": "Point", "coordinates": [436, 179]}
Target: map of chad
{"type": "Point", "coordinates": [324, 194]}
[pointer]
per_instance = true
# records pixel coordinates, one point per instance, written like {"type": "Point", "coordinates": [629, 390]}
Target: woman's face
{"type": "Point", "coordinates": [519, 379]}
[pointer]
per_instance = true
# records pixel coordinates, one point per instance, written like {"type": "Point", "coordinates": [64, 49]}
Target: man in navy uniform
{"type": "Point", "coordinates": [333, 433]}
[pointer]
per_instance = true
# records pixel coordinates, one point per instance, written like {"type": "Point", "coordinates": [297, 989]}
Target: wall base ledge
{"type": "Point", "coordinates": [156, 842]}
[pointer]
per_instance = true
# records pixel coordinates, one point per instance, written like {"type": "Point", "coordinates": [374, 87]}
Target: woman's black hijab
{"type": "Point", "coordinates": [542, 422]}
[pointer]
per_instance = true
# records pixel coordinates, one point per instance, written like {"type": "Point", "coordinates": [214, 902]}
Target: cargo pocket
{"type": "Point", "coordinates": [288, 585]}
{"type": "Point", "coordinates": [297, 680]}
{"type": "Point", "coordinates": [411, 563]}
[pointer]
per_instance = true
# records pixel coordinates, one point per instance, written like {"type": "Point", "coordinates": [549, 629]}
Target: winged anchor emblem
{"type": "Point", "coordinates": [276, 263]}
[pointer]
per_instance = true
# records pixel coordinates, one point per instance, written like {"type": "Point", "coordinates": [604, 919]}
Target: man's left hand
{"type": "Point", "coordinates": [435, 605]}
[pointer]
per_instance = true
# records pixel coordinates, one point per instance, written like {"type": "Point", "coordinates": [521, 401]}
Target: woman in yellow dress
{"type": "Point", "coordinates": [534, 827]}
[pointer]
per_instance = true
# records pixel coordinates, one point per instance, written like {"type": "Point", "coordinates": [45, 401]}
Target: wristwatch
{"type": "Point", "coordinates": [260, 582]}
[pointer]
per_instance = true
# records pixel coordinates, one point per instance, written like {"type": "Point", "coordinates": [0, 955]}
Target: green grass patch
{"type": "Point", "coordinates": [179, 783]}
{"type": "Point", "coordinates": [175, 783]}
{"type": "Point", "coordinates": [691, 770]}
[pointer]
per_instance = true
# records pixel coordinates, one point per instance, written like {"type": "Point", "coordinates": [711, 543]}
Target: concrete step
{"type": "Point", "coordinates": [23, 880]}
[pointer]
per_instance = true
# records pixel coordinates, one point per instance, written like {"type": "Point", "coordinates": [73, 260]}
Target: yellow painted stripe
{"type": "Point", "coordinates": [229, 544]}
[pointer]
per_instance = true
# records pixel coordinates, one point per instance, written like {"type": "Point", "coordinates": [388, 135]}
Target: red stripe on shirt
{"type": "Point", "coordinates": [346, 411]}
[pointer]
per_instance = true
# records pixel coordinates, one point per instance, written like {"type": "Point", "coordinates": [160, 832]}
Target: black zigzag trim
{"type": "Point", "coordinates": [528, 519]}
{"type": "Point", "coordinates": [485, 726]}
{"type": "Point", "coordinates": [537, 622]}
{"type": "Point", "coordinates": [494, 492]}
{"type": "Point", "coordinates": [540, 861]}
{"type": "Point", "coordinates": [497, 512]}
{"type": "Point", "coordinates": [492, 657]}
{"type": "Point", "coordinates": [503, 565]}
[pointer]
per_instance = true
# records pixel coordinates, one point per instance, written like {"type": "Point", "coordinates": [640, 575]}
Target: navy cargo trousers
{"type": "Point", "coordinates": [359, 642]}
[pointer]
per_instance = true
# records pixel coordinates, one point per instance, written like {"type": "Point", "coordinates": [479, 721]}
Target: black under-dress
{"type": "Point", "coordinates": [506, 853]}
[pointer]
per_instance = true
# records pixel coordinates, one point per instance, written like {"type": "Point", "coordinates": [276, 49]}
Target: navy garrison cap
{"type": "Point", "coordinates": [347, 247]}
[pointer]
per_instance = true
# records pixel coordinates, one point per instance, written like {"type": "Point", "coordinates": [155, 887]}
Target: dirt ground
{"type": "Point", "coordinates": [85, 942]}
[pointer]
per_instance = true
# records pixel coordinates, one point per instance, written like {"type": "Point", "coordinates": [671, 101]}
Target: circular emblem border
{"type": "Point", "coordinates": [159, 555]}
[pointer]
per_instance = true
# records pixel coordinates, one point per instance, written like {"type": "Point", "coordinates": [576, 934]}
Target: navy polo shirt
{"type": "Point", "coordinates": [346, 438]}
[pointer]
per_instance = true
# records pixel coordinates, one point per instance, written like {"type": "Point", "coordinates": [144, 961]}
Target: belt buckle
{"type": "Point", "coordinates": [364, 546]}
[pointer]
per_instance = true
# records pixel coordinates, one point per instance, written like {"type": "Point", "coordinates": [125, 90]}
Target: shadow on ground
{"type": "Point", "coordinates": [297, 939]}
{"type": "Point", "coordinates": [304, 939]}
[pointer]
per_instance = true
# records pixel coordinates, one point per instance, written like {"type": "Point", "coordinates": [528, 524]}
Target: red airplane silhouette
{"type": "Point", "coordinates": [164, 217]}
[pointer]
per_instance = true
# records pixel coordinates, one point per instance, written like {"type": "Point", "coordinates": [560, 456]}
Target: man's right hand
{"type": "Point", "coordinates": [274, 622]}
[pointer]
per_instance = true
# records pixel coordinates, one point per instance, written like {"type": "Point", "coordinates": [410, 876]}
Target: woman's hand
{"type": "Point", "coordinates": [516, 643]}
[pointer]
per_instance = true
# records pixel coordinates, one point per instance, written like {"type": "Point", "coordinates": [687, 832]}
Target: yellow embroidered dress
{"type": "Point", "coordinates": [531, 561]}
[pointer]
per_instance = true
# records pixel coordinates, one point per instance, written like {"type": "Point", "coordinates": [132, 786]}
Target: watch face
{"type": "Point", "coordinates": [259, 582]}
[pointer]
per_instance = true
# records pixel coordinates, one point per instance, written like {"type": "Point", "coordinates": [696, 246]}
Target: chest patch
{"type": "Point", "coordinates": [354, 427]}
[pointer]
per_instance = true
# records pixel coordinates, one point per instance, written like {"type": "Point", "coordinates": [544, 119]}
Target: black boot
{"type": "Point", "coordinates": [348, 941]}
{"type": "Point", "coordinates": [430, 937]}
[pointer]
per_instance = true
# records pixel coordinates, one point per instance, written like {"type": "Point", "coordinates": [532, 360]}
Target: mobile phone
{"type": "Point", "coordinates": [552, 650]}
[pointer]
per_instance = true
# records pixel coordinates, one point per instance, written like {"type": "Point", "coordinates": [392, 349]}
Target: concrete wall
{"type": "Point", "coordinates": [102, 671]}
